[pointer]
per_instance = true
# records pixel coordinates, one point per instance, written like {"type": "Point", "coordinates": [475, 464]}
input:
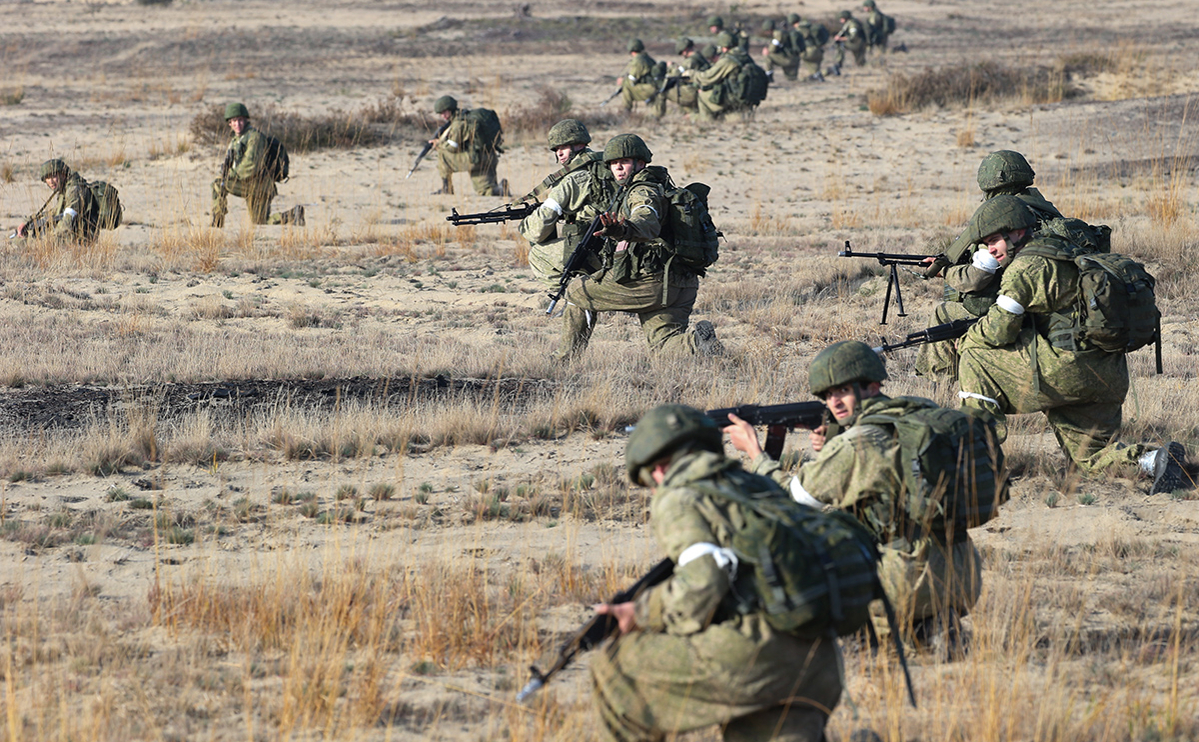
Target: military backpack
{"type": "Point", "coordinates": [888, 24]}
{"type": "Point", "coordinates": [1116, 309]}
{"type": "Point", "coordinates": [810, 573]}
{"type": "Point", "coordinates": [820, 31]}
{"type": "Point", "coordinates": [108, 201]}
{"type": "Point", "coordinates": [1092, 238]}
{"type": "Point", "coordinates": [749, 88]}
{"type": "Point", "coordinates": [689, 230]}
{"type": "Point", "coordinates": [276, 163]}
{"type": "Point", "coordinates": [487, 134]}
{"type": "Point", "coordinates": [952, 466]}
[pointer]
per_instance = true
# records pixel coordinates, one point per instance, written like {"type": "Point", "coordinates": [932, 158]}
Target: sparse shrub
{"type": "Point", "coordinates": [283, 497]}
{"type": "Point", "coordinates": [981, 83]}
{"type": "Point", "coordinates": [345, 492]}
{"type": "Point", "coordinates": [116, 494]}
{"type": "Point", "coordinates": [382, 491]}
{"type": "Point", "coordinates": [1086, 498]}
{"type": "Point", "coordinates": [310, 509]}
{"type": "Point", "coordinates": [180, 536]}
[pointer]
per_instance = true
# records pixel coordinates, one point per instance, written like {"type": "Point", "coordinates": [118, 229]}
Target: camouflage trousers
{"type": "Point", "coordinates": [684, 95]}
{"type": "Point", "coordinates": [546, 260]}
{"type": "Point", "coordinates": [788, 64]}
{"type": "Point", "coordinates": [713, 103]}
{"type": "Point", "coordinates": [757, 684]}
{"type": "Point", "coordinates": [632, 92]}
{"type": "Point", "coordinates": [859, 54]}
{"type": "Point", "coordinates": [1081, 394]}
{"type": "Point", "coordinates": [927, 581]}
{"type": "Point", "coordinates": [257, 193]}
{"type": "Point", "coordinates": [481, 169]}
{"type": "Point", "coordinates": [663, 322]}
{"type": "Point", "coordinates": [940, 360]}
{"type": "Point", "coordinates": [812, 57]}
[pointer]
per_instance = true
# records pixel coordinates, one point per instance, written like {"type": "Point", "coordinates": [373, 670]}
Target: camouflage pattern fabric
{"type": "Point", "coordinates": [860, 471]}
{"type": "Point", "coordinates": [639, 84]}
{"type": "Point", "coordinates": [77, 212]}
{"type": "Point", "coordinates": [940, 360]}
{"type": "Point", "coordinates": [247, 180]}
{"type": "Point", "coordinates": [456, 154]}
{"type": "Point", "coordinates": [783, 55]}
{"type": "Point", "coordinates": [876, 30]}
{"type": "Point", "coordinates": [1041, 208]}
{"type": "Point", "coordinates": [693, 663]}
{"type": "Point", "coordinates": [853, 38]}
{"type": "Point", "coordinates": [714, 99]}
{"type": "Point", "coordinates": [813, 50]}
{"type": "Point", "coordinates": [1008, 367]}
{"type": "Point", "coordinates": [547, 249]}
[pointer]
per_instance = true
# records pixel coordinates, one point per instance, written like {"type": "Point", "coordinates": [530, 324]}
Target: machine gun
{"type": "Point", "coordinates": [578, 258]}
{"type": "Point", "coordinates": [778, 418]}
{"type": "Point", "coordinates": [892, 260]}
{"type": "Point", "coordinates": [427, 148]}
{"type": "Point", "coordinates": [593, 633]}
{"type": "Point", "coordinates": [934, 334]}
{"type": "Point", "coordinates": [510, 213]}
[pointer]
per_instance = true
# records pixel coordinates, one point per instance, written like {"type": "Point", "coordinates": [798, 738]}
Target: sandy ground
{"type": "Point", "coordinates": [112, 88]}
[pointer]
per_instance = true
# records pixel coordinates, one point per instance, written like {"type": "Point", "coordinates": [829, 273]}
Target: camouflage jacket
{"type": "Point", "coordinates": [876, 30]}
{"type": "Point", "coordinates": [246, 156]}
{"type": "Point", "coordinates": [580, 159]}
{"type": "Point", "coordinates": [729, 65]}
{"type": "Point", "coordinates": [573, 202]}
{"type": "Point", "coordinates": [640, 69]}
{"type": "Point", "coordinates": [76, 211]}
{"type": "Point", "coordinates": [853, 33]}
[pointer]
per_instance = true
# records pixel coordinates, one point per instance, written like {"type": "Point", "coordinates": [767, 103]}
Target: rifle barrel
{"type": "Point", "coordinates": [887, 258]}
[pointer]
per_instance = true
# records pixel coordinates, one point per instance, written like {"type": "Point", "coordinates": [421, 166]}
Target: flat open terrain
{"type": "Point", "coordinates": [324, 482]}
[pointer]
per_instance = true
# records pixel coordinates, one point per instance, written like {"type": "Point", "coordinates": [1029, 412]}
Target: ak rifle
{"type": "Point", "coordinates": [577, 260]}
{"type": "Point", "coordinates": [892, 260]}
{"type": "Point", "coordinates": [427, 148]}
{"type": "Point", "coordinates": [595, 631]}
{"type": "Point", "coordinates": [778, 419]}
{"type": "Point", "coordinates": [609, 98]}
{"type": "Point", "coordinates": [509, 213]}
{"type": "Point", "coordinates": [934, 334]}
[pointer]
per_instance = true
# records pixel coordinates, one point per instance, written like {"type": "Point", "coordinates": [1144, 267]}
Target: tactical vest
{"type": "Point", "coordinates": [581, 159]}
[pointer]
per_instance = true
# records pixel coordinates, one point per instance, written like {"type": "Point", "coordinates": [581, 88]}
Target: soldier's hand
{"type": "Point", "coordinates": [612, 226]}
{"type": "Point", "coordinates": [743, 437]}
{"type": "Point", "coordinates": [816, 438]}
{"type": "Point", "coordinates": [935, 266]}
{"type": "Point", "coordinates": [23, 229]}
{"type": "Point", "coordinates": [624, 613]}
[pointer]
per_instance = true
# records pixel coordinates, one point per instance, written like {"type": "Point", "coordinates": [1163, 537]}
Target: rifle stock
{"type": "Point", "coordinates": [934, 334]}
{"type": "Point", "coordinates": [593, 633]}
{"type": "Point", "coordinates": [510, 212]}
{"type": "Point", "coordinates": [427, 148]}
{"type": "Point", "coordinates": [578, 257]}
{"type": "Point", "coordinates": [778, 418]}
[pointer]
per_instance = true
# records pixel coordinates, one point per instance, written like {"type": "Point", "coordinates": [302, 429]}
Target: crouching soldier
{"type": "Point", "coordinates": [71, 214]}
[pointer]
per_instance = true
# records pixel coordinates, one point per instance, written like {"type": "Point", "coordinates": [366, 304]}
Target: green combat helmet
{"type": "Point", "coordinates": [709, 52]}
{"type": "Point", "coordinates": [845, 15]}
{"type": "Point", "coordinates": [635, 45]}
{"type": "Point", "coordinates": [567, 132]}
{"type": "Point", "coordinates": [726, 40]}
{"type": "Point", "coordinates": [716, 22]}
{"type": "Point", "coordinates": [869, 4]}
{"type": "Point", "coordinates": [793, 18]}
{"type": "Point", "coordinates": [846, 362]}
{"type": "Point", "coordinates": [683, 44]}
{"type": "Point", "coordinates": [627, 145]}
{"type": "Point", "coordinates": [52, 167]}
{"type": "Point", "coordinates": [1001, 215]}
{"type": "Point", "coordinates": [664, 431]}
{"type": "Point", "coordinates": [445, 103]}
{"type": "Point", "coordinates": [1005, 170]}
{"type": "Point", "coordinates": [234, 110]}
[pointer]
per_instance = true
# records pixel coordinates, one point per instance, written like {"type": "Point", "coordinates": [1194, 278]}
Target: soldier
{"type": "Point", "coordinates": [568, 140]}
{"type": "Point", "coordinates": [784, 52]}
{"type": "Point", "coordinates": [1015, 360]}
{"type": "Point", "coordinates": [714, 97]}
{"type": "Point", "coordinates": [814, 38]}
{"type": "Point", "coordinates": [639, 82]}
{"type": "Point", "coordinates": [634, 272]}
{"type": "Point", "coordinates": [75, 215]}
{"type": "Point", "coordinates": [933, 580]}
{"type": "Point", "coordinates": [876, 26]}
{"type": "Point", "coordinates": [971, 288]}
{"type": "Point", "coordinates": [683, 660]}
{"type": "Point", "coordinates": [471, 142]}
{"type": "Point", "coordinates": [684, 93]}
{"type": "Point", "coordinates": [852, 36]}
{"type": "Point", "coordinates": [245, 173]}
{"type": "Point", "coordinates": [740, 37]}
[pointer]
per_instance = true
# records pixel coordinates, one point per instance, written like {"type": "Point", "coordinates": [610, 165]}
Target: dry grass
{"type": "Point", "coordinates": [372, 125]}
{"type": "Point", "coordinates": [982, 83]}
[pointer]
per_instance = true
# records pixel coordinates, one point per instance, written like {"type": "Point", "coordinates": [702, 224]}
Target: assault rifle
{"type": "Point", "coordinates": [934, 334]}
{"type": "Point", "coordinates": [593, 633]}
{"type": "Point", "coordinates": [778, 419]}
{"type": "Point", "coordinates": [892, 260]}
{"type": "Point", "coordinates": [578, 258]}
{"type": "Point", "coordinates": [35, 226]}
{"type": "Point", "coordinates": [510, 213]}
{"type": "Point", "coordinates": [428, 146]}
{"type": "Point", "coordinates": [667, 84]}
{"type": "Point", "coordinates": [610, 97]}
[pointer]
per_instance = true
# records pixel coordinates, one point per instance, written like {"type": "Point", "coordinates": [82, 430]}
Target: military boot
{"type": "Point", "coordinates": [447, 188]}
{"type": "Point", "coordinates": [294, 216]}
{"type": "Point", "coordinates": [706, 343]}
{"type": "Point", "coordinates": [816, 76]}
{"type": "Point", "coordinates": [218, 221]}
{"type": "Point", "coordinates": [1169, 473]}
{"type": "Point", "coordinates": [504, 190]}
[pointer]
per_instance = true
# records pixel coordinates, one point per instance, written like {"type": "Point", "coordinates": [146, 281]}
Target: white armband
{"type": "Point", "coordinates": [985, 262]}
{"type": "Point", "coordinates": [800, 495]}
{"type": "Point", "coordinates": [1009, 304]}
{"type": "Point", "coordinates": [981, 398]}
{"type": "Point", "coordinates": [649, 208]}
{"type": "Point", "coordinates": [631, 77]}
{"type": "Point", "coordinates": [451, 144]}
{"type": "Point", "coordinates": [776, 42]}
{"type": "Point", "coordinates": [725, 558]}
{"type": "Point", "coordinates": [70, 212]}
{"type": "Point", "coordinates": [552, 205]}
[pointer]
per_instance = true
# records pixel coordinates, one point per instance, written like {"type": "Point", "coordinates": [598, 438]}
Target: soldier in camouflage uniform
{"type": "Point", "coordinates": [70, 215]}
{"type": "Point", "coordinates": [683, 660]}
{"type": "Point", "coordinates": [245, 175]}
{"type": "Point", "coordinates": [813, 49]}
{"type": "Point", "coordinates": [740, 37]}
{"type": "Point", "coordinates": [876, 26]}
{"type": "Point", "coordinates": [931, 581]}
{"type": "Point", "coordinates": [784, 52]}
{"type": "Point", "coordinates": [971, 287]}
{"type": "Point", "coordinates": [714, 98]}
{"type": "Point", "coordinates": [1011, 362]}
{"type": "Point", "coordinates": [684, 93]}
{"type": "Point", "coordinates": [568, 140]}
{"type": "Point", "coordinates": [852, 36]}
{"type": "Point", "coordinates": [460, 149]}
{"type": "Point", "coordinates": [634, 272]}
{"type": "Point", "coordinates": [640, 81]}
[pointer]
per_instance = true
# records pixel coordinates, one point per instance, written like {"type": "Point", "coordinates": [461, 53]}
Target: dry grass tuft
{"type": "Point", "coordinates": [982, 83]}
{"type": "Point", "coordinates": [372, 125]}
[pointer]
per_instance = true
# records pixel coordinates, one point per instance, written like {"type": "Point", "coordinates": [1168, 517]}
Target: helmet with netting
{"type": "Point", "coordinates": [843, 363]}
{"type": "Point", "coordinates": [629, 146]}
{"type": "Point", "coordinates": [726, 40]}
{"type": "Point", "coordinates": [636, 45]}
{"type": "Point", "coordinates": [52, 167]}
{"type": "Point", "coordinates": [567, 132]}
{"type": "Point", "coordinates": [235, 110]}
{"type": "Point", "coordinates": [683, 44]}
{"type": "Point", "coordinates": [1001, 215]}
{"type": "Point", "coordinates": [1004, 169]}
{"type": "Point", "coordinates": [445, 103]}
{"type": "Point", "coordinates": [666, 430]}
{"type": "Point", "coordinates": [716, 21]}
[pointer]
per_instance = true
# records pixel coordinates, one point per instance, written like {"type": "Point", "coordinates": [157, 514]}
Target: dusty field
{"type": "Point", "coordinates": [324, 483]}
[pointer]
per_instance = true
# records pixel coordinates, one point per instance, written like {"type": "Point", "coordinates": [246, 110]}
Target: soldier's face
{"type": "Point", "coordinates": [238, 124]}
{"type": "Point", "coordinates": [53, 182]}
{"type": "Point", "coordinates": [842, 401]}
{"type": "Point", "coordinates": [1002, 245]}
{"type": "Point", "coordinates": [625, 168]}
{"type": "Point", "coordinates": [564, 152]}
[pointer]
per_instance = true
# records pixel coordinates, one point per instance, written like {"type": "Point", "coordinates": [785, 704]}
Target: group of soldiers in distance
{"type": "Point", "coordinates": [700, 647]}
